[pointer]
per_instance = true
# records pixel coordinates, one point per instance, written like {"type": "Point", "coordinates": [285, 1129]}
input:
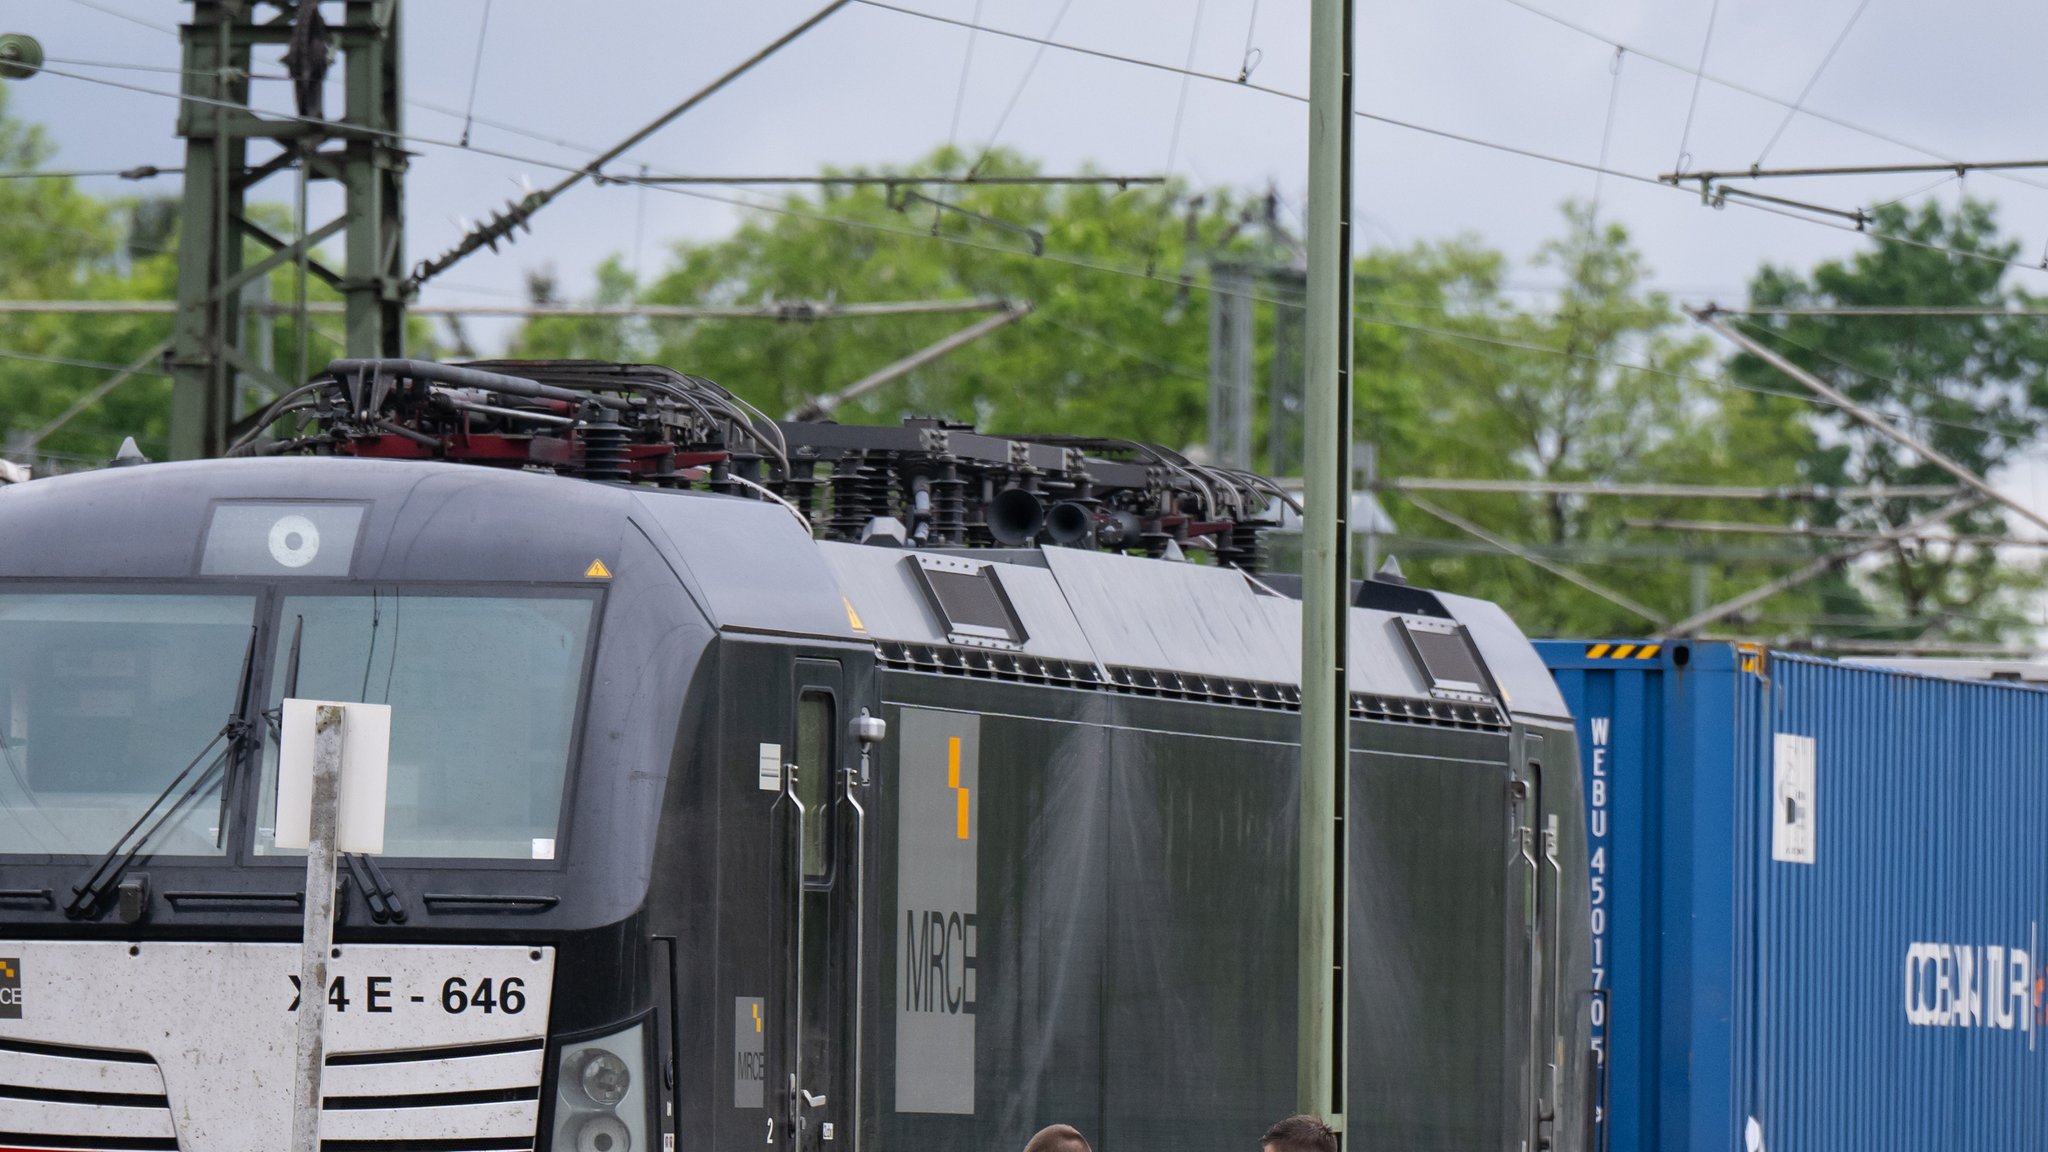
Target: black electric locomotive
{"type": "Point", "coordinates": [705, 832]}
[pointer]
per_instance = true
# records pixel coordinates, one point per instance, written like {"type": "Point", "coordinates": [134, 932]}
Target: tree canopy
{"type": "Point", "coordinates": [1117, 342]}
{"type": "Point", "coordinates": [57, 242]}
{"type": "Point", "coordinates": [1970, 383]}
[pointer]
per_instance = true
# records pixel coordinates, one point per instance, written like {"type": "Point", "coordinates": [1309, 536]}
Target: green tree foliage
{"type": "Point", "coordinates": [1610, 386]}
{"type": "Point", "coordinates": [1104, 351]}
{"type": "Point", "coordinates": [58, 242]}
{"type": "Point", "coordinates": [1972, 387]}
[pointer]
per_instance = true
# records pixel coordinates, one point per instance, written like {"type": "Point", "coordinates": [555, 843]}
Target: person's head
{"type": "Point", "coordinates": [1299, 1134]}
{"type": "Point", "coordinates": [1058, 1138]}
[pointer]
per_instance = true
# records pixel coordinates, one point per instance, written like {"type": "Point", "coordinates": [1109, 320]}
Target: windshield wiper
{"type": "Point", "coordinates": [386, 905]}
{"type": "Point", "coordinates": [106, 871]}
{"type": "Point", "coordinates": [275, 717]}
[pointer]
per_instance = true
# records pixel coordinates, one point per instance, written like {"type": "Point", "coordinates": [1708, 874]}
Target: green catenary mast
{"type": "Point", "coordinates": [211, 361]}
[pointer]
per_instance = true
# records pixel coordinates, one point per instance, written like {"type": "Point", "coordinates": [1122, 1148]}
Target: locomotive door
{"type": "Point", "coordinates": [822, 831]}
{"type": "Point", "coordinates": [1540, 898]}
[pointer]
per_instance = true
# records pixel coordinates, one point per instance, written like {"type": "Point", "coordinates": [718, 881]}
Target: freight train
{"type": "Point", "coordinates": [752, 784]}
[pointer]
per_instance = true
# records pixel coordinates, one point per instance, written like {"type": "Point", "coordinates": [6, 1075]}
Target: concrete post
{"type": "Point", "coordinates": [328, 725]}
{"type": "Point", "coordinates": [1326, 566]}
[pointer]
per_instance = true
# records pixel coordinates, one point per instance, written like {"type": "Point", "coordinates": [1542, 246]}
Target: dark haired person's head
{"type": "Point", "coordinates": [1058, 1138]}
{"type": "Point", "coordinates": [1299, 1134]}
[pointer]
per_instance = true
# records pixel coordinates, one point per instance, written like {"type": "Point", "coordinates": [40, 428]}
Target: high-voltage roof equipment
{"type": "Point", "coordinates": [927, 483]}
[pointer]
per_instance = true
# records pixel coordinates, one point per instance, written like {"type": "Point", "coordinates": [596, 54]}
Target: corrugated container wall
{"type": "Point", "coordinates": [1818, 894]}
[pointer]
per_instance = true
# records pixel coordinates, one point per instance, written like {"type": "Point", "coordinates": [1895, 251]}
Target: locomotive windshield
{"type": "Point", "coordinates": [484, 693]}
{"type": "Point", "coordinates": [104, 699]}
{"type": "Point", "coordinates": [106, 696]}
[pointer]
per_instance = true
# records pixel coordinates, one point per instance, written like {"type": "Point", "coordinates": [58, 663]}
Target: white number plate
{"type": "Point", "coordinates": [454, 996]}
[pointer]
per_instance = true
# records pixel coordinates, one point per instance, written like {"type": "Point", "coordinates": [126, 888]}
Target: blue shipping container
{"type": "Point", "coordinates": [1818, 895]}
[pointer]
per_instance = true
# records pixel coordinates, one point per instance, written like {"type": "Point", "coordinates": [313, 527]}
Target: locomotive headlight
{"type": "Point", "coordinates": [602, 1101]}
{"type": "Point", "coordinates": [604, 1076]}
{"type": "Point", "coordinates": [602, 1134]}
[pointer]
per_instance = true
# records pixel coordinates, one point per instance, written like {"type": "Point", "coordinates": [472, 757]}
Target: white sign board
{"type": "Point", "coordinates": [1792, 799]}
{"type": "Point", "coordinates": [365, 771]}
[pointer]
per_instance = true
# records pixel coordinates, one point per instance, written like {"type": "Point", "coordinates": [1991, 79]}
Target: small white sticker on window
{"type": "Point", "coordinates": [544, 848]}
{"type": "Point", "coordinates": [769, 771]}
{"type": "Point", "coordinates": [1792, 799]}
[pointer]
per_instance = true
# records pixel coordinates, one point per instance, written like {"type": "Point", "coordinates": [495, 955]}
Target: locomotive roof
{"type": "Point", "coordinates": [751, 567]}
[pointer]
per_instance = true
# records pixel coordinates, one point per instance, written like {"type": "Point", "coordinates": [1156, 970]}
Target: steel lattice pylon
{"type": "Point", "coordinates": [210, 360]}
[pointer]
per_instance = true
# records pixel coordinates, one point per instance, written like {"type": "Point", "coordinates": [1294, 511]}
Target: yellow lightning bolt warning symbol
{"type": "Point", "coordinates": [953, 782]}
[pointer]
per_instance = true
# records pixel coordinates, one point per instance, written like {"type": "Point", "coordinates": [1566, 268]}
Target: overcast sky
{"type": "Point", "coordinates": [874, 86]}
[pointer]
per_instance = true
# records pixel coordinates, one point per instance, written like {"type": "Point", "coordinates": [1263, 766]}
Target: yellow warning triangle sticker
{"type": "Point", "coordinates": [597, 571]}
{"type": "Point", "coordinates": [853, 617]}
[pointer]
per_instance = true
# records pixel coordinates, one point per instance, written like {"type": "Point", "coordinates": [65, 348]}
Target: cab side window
{"type": "Point", "coordinates": [816, 763]}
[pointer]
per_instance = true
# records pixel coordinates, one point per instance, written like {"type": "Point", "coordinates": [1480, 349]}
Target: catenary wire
{"type": "Point", "coordinates": [73, 362]}
{"type": "Point", "coordinates": [1105, 267]}
{"type": "Point", "coordinates": [1917, 192]}
{"type": "Point", "coordinates": [476, 72]}
{"type": "Point", "coordinates": [1475, 141]}
{"type": "Point", "coordinates": [1375, 321]}
{"type": "Point", "coordinates": [693, 193]}
{"type": "Point", "coordinates": [126, 66]}
{"type": "Point", "coordinates": [639, 226]}
{"type": "Point", "coordinates": [1607, 129]}
{"type": "Point", "coordinates": [1699, 73]}
{"type": "Point", "coordinates": [1721, 381]}
{"type": "Point", "coordinates": [1017, 94]}
{"type": "Point", "coordinates": [500, 125]}
{"type": "Point", "coordinates": [1180, 111]}
{"type": "Point", "coordinates": [754, 205]}
{"type": "Point", "coordinates": [966, 72]}
{"type": "Point", "coordinates": [1139, 62]}
{"type": "Point", "coordinates": [940, 202]}
{"type": "Point", "coordinates": [110, 10]}
{"type": "Point", "coordinates": [1799, 103]}
{"type": "Point", "coordinates": [1747, 90]}
{"type": "Point", "coordinates": [1082, 262]}
{"type": "Point", "coordinates": [1128, 353]}
{"type": "Point", "coordinates": [467, 116]}
{"type": "Point", "coordinates": [2018, 433]}
{"type": "Point", "coordinates": [1252, 55]}
{"type": "Point", "coordinates": [1187, 77]}
{"type": "Point", "coordinates": [1699, 76]}
{"type": "Point", "coordinates": [143, 172]}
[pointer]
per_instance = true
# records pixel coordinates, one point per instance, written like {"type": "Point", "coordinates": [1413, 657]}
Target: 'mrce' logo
{"type": "Point", "coordinates": [938, 971]}
{"type": "Point", "coordinates": [10, 988]}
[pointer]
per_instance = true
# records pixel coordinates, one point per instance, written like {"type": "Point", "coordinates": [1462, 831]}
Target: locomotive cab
{"type": "Point", "coordinates": [141, 679]}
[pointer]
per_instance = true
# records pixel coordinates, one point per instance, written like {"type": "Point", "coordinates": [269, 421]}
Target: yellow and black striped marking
{"type": "Point", "coordinates": [1623, 651]}
{"type": "Point", "coordinates": [1754, 657]}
